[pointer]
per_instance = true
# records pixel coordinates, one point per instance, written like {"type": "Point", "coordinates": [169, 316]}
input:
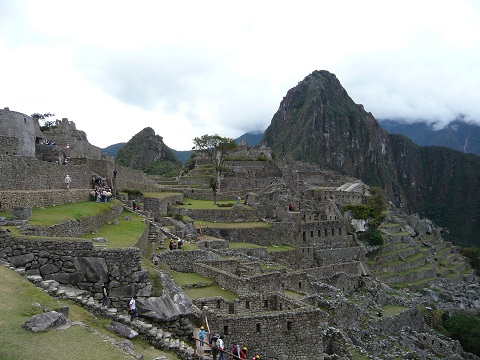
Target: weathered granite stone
{"type": "Point", "coordinates": [48, 269]}
{"type": "Point", "coordinates": [47, 321]}
{"type": "Point", "coordinates": [122, 330]}
{"type": "Point", "coordinates": [21, 260]}
{"type": "Point", "coordinates": [94, 269]}
{"type": "Point", "coordinates": [68, 278]}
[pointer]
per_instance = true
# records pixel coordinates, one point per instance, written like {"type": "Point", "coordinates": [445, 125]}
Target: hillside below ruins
{"type": "Point", "coordinates": [306, 284]}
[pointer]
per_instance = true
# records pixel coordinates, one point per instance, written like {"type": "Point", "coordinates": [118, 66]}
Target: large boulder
{"type": "Point", "coordinates": [122, 330]}
{"type": "Point", "coordinates": [170, 306]}
{"type": "Point", "coordinates": [47, 321]}
{"type": "Point", "coordinates": [21, 260]}
{"type": "Point", "coordinates": [93, 268]}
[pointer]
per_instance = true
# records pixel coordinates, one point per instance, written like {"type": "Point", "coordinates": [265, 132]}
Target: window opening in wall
{"type": "Point", "coordinates": [259, 330]}
{"type": "Point", "coordinates": [280, 307]}
{"type": "Point", "coordinates": [333, 232]}
{"type": "Point", "coordinates": [326, 232]}
{"type": "Point", "coordinates": [225, 329]}
{"type": "Point", "coordinates": [339, 231]}
{"type": "Point", "coordinates": [219, 304]}
{"type": "Point", "coordinates": [231, 309]}
{"type": "Point", "coordinates": [318, 234]}
{"type": "Point", "coordinates": [247, 304]}
{"type": "Point", "coordinates": [304, 236]}
{"type": "Point", "coordinates": [299, 284]}
{"type": "Point", "coordinates": [289, 325]}
{"type": "Point", "coordinates": [311, 233]}
{"type": "Point", "coordinates": [265, 303]}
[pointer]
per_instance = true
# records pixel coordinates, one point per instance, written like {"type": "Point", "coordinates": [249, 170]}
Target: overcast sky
{"type": "Point", "coordinates": [189, 68]}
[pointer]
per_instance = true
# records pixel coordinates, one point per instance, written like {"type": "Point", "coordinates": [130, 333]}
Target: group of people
{"type": "Point", "coordinates": [175, 245]}
{"type": "Point", "coordinates": [217, 346]}
{"type": "Point", "coordinates": [101, 194]}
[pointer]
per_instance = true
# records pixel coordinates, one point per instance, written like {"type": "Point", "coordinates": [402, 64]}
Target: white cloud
{"type": "Point", "coordinates": [188, 68]}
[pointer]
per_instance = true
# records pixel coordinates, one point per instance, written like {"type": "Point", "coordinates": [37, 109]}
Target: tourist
{"type": "Point", "coordinates": [134, 205]}
{"type": "Point", "coordinates": [221, 347]}
{"type": "Point", "coordinates": [213, 346]}
{"type": "Point", "coordinates": [201, 335]}
{"type": "Point", "coordinates": [256, 357]}
{"type": "Point", "coordinates": [179, 244]}
{"type": "Point", "coordinates": [244, 352]}
{"type": "Point", "coordinates": [237, 351]}
{"type": "Point", "coordinates": [132, 306]}
{"type": "Point", "coordinates": [68, 180]}
{"type": "Point", "coordinates": [171, 244]}
{"type": "Point", "coordinates": [104, 294]}
{"type": "Point", "coordinates": [114, 173]}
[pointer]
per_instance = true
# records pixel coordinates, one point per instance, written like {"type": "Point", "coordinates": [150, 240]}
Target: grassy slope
{"type": "Point", "coordinates": [17, 297]}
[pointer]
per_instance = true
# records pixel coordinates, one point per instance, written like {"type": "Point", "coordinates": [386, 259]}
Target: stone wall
{"type": "Point", "coordinates": [17, 125]}
{"type": "Point", "coordinates": [277, 234]}
{"type": "Point", "coordinates": [160, 207]}
{"type": "Point", "coordinates": [339, 256]}
{"type": "Point", "coordinates": [234, 214]}
{"type": "Point", "coordinates": [25, 173]}
{"type": "Point", "coordinates": [262, 283]}
{"type": "Point", "coordinates": [185, 260]}
{"type": "Point", "coordinates": [80, 264]}
{"type": "Point", "coordinates": [9, 146]}
{"type": "Point", "coordinates": [41, 198]}
{"type": "Point", "coordinates": [296, 333]}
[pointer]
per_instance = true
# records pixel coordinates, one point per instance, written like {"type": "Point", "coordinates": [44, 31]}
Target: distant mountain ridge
{"type": "Point", "coordinates": [458, 135]}
{"type": "Point", "coordinates": [252, 138]}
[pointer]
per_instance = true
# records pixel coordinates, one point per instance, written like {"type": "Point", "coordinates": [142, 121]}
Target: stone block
{"type": "Point", "coordinates": [48, 269]}
{"type": "Point", "coordinates": [94, 269]}
{"type": "Point", "coordinates": [21, 260]}
{"type": "Point", "coordinates": [68, 278]}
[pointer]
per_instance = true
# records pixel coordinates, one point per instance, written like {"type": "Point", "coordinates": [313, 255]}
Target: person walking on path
{"type": "Point", "coordinates": [221, 348]}
{"type": "Point", "coordinates": [132, 305]}
{"type": "Point", "coordinates": [104, 294]}
{"type": "Point", "coordinates": [68, 180]}
{"type": "Point", "coordinates": [201, 335]}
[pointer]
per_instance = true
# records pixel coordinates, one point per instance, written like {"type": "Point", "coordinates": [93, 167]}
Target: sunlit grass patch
{"type": "Point", "coordinates": [161, 195]}
{"type": "Point", "coordinates": [208, 292]}
{"type": "Point", "coordinates": [77, 343]}
{"type": "Point", "coordinates": [123, 235]}
{"type": "Point", "coordinates": [56, 214]}
{"type": "Point", "coordinates": [186, 279]}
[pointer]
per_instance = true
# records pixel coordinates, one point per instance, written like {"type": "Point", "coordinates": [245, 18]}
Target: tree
{"type": "Point", "coordinates": [213, 186]}
{"type": "Point", "coordinates": [214, 147]}
{"type": "Point", "coordinates": [46, 124]}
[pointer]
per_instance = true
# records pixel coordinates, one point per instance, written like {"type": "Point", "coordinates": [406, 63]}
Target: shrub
{"type": "Point", "coordinates": [466, 329]}
{"type": "Point", "coordinates": [372, 236]}
{"type": "Point", "coordinates": [177, 216]}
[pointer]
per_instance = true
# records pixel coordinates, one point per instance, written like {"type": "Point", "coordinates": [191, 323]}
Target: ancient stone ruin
{"type": "Point", "coordinates": [306, 285]}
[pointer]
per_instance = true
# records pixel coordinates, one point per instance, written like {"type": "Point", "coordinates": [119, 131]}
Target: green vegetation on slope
{"type": "Point", "coordinates": [18, 297]}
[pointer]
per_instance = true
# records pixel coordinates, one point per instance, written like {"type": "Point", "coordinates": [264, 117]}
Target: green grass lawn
{"type": "Point", "coordinates": [392, 310]}
{"type": "Point", "coordinates": [208, 292]}
{"type": "Point", "coordinates": [186, 279]}
{"type": "Point", "coordinates": [160, 195]}
{"type": "Point", "coordinates": [243, 245]}
{"type": "Point", "coordinates": [123, 235]}
{"type": "Point", "coordinates": [55, 214]}
{"type": "Point", "coordinates": [280, 248]}
{"type": "Point", "coordinates": [17, 297]}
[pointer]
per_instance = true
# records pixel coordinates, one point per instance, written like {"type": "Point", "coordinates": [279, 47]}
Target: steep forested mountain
{"type": "Point", "coordinates": [318, 122]}
{"type": "Point", "coordinates": [146, 151]}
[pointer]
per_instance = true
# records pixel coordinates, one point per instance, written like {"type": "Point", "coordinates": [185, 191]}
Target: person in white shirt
{"type": "Point", "coordinates": [132, 306]}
